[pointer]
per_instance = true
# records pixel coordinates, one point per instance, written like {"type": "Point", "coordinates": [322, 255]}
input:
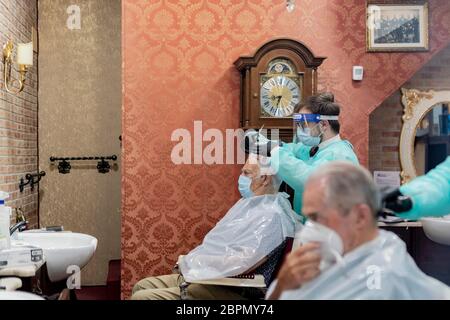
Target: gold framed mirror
{"type": "Point", "coordinates": [425, 134]}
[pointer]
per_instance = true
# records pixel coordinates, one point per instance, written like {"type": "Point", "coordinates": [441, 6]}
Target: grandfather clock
{"type": "Point", "coordinates": [280, 76]}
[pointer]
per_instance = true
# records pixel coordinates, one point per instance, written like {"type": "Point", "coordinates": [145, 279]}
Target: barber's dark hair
{"type": "Point", "coordinates": [324, 104]}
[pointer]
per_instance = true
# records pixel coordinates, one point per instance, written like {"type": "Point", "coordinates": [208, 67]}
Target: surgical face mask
{"type": "Point", "coordinates": [245, 187]}
{"type": "Point", "coordinates": [304, 136]}
{"type": "Point", "coordinates": [331, 245]}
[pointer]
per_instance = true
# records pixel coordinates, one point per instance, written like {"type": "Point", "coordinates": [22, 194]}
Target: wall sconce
{"type": "Point", "coordinates": [24, 60]}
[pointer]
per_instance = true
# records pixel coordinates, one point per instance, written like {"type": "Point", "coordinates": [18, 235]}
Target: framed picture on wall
{"type": "Point", "coordinates": [397, 27]}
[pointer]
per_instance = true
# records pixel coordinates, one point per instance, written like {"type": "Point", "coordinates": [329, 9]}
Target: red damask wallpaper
{"type": "Point", "coordinates": [178, 67]}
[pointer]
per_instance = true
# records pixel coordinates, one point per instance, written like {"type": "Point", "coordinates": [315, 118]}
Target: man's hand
{"type": "Point", "coordinates": [301, 266]}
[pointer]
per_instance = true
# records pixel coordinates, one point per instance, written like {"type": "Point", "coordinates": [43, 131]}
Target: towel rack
{"type": "Point", "coordinates": [64, 165]}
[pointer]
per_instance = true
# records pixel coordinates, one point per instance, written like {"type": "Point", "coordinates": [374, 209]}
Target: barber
{"type": "Point", "coordinates": [316, 142]}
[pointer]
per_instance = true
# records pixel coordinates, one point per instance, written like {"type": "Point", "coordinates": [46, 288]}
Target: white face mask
{"type": "Point", "coordinates": [331, 245]}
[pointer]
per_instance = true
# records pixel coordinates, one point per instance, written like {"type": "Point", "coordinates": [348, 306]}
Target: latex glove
{"type": "Point", "coordinates": [394, 202]}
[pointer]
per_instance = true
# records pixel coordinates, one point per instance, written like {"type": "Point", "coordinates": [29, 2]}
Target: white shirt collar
{"type": "Point", "coordinates": [324, 144]}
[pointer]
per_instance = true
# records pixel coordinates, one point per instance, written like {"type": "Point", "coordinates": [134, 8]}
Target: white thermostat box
{"type": "Point", "coordinates": [358, 73]}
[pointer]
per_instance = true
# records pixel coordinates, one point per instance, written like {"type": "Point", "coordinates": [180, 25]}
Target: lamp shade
{"type": "Point", "coordinates": [25, 54]}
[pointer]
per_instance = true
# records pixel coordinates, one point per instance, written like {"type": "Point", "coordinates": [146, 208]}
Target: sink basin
{"type": "Point", "coordinates": [61, 250]}
{"type": "Point", "coordinates": [18, 295]}
{"type": "Point", "coordinates": [437, 229]}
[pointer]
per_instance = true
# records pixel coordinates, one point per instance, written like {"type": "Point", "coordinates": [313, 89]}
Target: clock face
{"type": "Point", "coordinates": [279, 96]}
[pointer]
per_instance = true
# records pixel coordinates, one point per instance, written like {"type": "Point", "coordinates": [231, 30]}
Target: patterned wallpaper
{"type": "Point", "coordinates": [178, 67]}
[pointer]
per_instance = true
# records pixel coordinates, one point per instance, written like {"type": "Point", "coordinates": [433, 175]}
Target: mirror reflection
{"type": "Point", "coordinates": [432, 140]}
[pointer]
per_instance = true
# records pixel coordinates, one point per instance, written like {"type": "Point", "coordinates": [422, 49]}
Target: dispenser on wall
{"type": "Point", "coordinates": [5, 222]}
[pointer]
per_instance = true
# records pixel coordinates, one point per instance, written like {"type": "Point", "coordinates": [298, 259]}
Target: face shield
{"type": "Point", "coordinates": [304, 122]}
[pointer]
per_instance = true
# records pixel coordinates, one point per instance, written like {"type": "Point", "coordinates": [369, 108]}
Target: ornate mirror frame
{"type": "Point", "coordinates": [416, 106]}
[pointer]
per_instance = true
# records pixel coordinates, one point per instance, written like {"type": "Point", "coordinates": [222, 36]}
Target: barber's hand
{"type": "Point", "coordinates": [301, 266]}
{"type": "Point", "coordinates": [394, 201]}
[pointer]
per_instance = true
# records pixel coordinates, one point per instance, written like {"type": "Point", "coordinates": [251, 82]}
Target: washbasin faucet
{"type": "Point", "coordinates": [20, 226]}
{"type": "Point", "coordinates": [21, 222]}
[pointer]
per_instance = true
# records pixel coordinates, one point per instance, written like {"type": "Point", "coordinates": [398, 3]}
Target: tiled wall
{"type": "Point", "coordinates": [18, 113]}
{"type": "Point", "coordinates": [386, 121]}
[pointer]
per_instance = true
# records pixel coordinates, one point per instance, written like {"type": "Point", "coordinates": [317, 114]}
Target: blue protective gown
{"type": "Point", "coordinates": [430, 193]}
{"type": "Point", "coordinates": [294, 164]}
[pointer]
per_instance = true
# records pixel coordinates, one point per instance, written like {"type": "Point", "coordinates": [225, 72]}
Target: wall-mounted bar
{"type": "Point", "coordinates": [64, 165]}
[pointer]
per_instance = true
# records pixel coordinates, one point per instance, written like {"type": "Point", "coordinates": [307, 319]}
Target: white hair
{"type": "Point", "coordinates": [347, 185]}
{"type": "Point", "coordinates": [265, 169]}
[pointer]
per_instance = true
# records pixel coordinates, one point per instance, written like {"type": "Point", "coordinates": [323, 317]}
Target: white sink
{"type": "Point", "coordinates": [437, 229]}
{"type": "Point", "coordinates": [62, 250]}
{"type": "Point", "coordinates": [18, 295]}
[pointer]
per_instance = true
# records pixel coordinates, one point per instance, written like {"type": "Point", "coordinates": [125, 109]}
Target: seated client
{"type": "Point", "coordinates": [249, 238]}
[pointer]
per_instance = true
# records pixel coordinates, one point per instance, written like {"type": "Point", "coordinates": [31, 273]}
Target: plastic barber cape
{"type": "Point", "coordinates": [380, 269]}
{"type": "Point", "coordinates": [249, 232]}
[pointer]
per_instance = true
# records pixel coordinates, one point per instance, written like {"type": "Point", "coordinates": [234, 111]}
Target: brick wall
{"type": "Point", "coordinates": [18, 113]}
{"type": "Point", "coordinates": [386, 121]}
